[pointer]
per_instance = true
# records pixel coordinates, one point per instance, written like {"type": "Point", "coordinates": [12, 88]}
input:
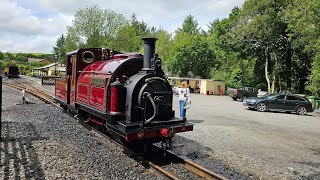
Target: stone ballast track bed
{"type": "Point", "coordinates": [40, 141]}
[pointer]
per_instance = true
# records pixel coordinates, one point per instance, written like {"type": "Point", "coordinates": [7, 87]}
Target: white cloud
{"type": "Point", "coordinates": [38, 43]}
{"type": "Point", "coordinates": [33, 26]}
{"type": "Point", "coordinates": [22, 31]}
{"type": "Point", "coordinates": [16, 19]}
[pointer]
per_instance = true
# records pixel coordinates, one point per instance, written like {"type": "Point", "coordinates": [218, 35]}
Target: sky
{"type": "Point", "coordinates": [34, 25]}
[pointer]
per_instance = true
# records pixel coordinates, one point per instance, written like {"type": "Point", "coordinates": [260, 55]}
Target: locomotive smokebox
{"type": "Point", "coordinates": [149, 49]}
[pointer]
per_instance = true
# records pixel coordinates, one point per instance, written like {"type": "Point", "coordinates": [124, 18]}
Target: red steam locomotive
{"type": "Point", "coordinates": [125, 94]}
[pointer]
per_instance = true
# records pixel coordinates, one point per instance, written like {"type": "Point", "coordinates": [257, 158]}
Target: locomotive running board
{"type": "Point", "coordinates": [126, 125]}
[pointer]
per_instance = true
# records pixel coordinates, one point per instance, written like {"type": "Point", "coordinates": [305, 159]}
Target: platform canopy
{"type": "Point", "coordinates": [49, 65]}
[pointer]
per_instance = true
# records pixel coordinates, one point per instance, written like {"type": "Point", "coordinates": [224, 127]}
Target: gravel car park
{"type": "Point", "coordinates": [267, 145]}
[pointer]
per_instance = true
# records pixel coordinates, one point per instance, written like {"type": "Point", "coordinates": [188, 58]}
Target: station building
{"type": "Point", "coordinates": [200, 86]}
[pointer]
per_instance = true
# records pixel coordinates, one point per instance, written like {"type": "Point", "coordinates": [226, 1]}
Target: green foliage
{"type": "Point", "coordinates": [60, 50]}
{"type": "Point", "coordinates": [164, 44]}
{"type": "Point", "coordinates": [9, 56]}
{"type": "Point", "coordinates": [97, 27]}
{"type": "Point", "coordinates": [127, 39]}
{"type": "Point", "coordinates": [191, 56]}
{"type": "Point", "coordinates": [1, 55]}
{"type": "Point", "coordinates": [304, 33]}
{"type": "Point", "coordinates": [303, 23]}
{"type": "Point", "coordinates": [22, 57]}
{"type": "Point", "coordinates": [93, 27]}
{"type": "Point", "coordinates": [88, 23]}
{"type": "Point", "coordinates": [72, 40]}
{"type": "Point", "coordinates": [314, 78]}
{"type": "Point", "coordinates": [190, 26]}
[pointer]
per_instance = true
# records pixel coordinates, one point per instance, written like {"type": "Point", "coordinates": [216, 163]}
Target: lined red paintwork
{"type": "Point", "coordinates": [60, 89]}
{"type": "Point", "coordinates": [73, 81]}
{"type": "Point", "coordinates": [95, 96]}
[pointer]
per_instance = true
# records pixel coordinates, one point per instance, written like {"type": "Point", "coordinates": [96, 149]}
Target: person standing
{"type": "Point", "coordinates": [184, 94]}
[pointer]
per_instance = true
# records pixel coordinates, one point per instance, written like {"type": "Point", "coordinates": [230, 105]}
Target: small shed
{"type": "Point", "coordinates": [212, 87]}
{"type": "Point", "coordinates": [202, 86]}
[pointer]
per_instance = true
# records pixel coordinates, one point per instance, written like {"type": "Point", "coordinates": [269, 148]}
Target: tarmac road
{"type": "Point", "coordinates": [263, 145]}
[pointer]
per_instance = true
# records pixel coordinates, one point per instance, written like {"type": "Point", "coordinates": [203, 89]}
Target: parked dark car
{"type": "Point", "coordinates": [242, 93]}
{"type": "Point", "coordinates": [280, 102]}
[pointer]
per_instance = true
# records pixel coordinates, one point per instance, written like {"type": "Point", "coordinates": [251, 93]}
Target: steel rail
{"type": "Point", "coordinates": [28, 84]}
{"type": "Point", "coordinates": [199, 170]}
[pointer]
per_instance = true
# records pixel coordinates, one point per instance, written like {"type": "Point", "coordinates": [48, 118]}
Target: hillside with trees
{"type": "Point", "coordinates": [21, 60]}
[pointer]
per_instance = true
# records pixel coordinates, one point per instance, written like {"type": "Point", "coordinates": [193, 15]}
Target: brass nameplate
{"type": "Point", "coordinates": [98, 82]}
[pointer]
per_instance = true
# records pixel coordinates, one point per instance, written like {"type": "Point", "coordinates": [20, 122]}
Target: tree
{"type": "Point", "coordinates": [20, 57]}
{"type": "Point", "coordinates": [235, 63]}
{"type": "Point", "coordinates": [88, 23]}
{"type": "Point", "coordinates": [164, 45]}
{"type": "Point", "coordinates": [191, 57]}
{"type": "Point", "coordinates": [221, 27]}
{"type": "Point", "coordinates": [1, 56]}
{"type": "Point", "coordinates": [73, 41]}
{"type": "Point", "coordinates": [189, 26]}
{"type": "Point", "coordinates": [141, 28]}
{"type": "Point", "coordinates": [59, 50]}
{"type": "Point", "coordinates": [9, 56]}
{"type": "Point", "coordinates": [94, 27]}
{"type": "Point", "coordinates": [127, 39]}
{"type": "Point", "coordinates": [314, 78]}
{"type": "Point", "coordinates": [261, 24]}
{"type": "Point", "coordinates": [304, 33]}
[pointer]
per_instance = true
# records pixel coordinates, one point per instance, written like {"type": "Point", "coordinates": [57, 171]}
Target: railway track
{"type": "Point", "coordinates": [169, 167]}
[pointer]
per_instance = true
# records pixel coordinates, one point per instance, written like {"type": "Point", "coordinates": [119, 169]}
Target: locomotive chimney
{"type": "Point", "coordinates": [149, 49]}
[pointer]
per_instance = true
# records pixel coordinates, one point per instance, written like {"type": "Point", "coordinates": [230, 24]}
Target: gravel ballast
{"type": "Point", "coordinates": [39, 141]}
